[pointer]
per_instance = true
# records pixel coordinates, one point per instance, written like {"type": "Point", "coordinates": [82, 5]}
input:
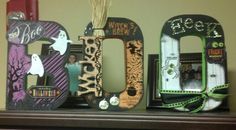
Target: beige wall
{"type": "Point", "coordinates": [150, 15]}
{"type": "Point", "coordinates": [3, 54]}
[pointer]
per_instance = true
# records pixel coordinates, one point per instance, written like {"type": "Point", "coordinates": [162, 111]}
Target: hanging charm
{"type": "Point", "coordinates": [114, 100]}
{"type": "Point", "coordinates": [103, 104]}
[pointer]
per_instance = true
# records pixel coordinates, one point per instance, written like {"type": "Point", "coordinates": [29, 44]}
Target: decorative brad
{"type": "Point", "coordinates": [131, 35]}
{"type": "Point", "coordinates": [20, 65]}
{"type": "Point", "coordinates": [214, 85]}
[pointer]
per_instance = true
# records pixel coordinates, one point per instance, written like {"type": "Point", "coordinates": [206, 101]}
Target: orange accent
{"type": "Point", "coordinates": [215, 51]}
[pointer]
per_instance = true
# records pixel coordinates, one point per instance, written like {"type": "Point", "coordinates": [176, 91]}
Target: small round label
{"type": "Point", "coordinates": [103, 104]}
{"type": "Point", "coordinates": [114, 101]}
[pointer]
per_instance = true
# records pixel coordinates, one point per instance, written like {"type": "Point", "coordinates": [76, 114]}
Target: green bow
{"type": "Point", "coordinates": [197, 98]}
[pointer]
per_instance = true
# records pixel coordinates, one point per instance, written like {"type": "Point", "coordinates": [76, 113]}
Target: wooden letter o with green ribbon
{"type": "Point", "coordinates": [91, 80]}
{"type": "Point", "coordinates": [213, 88]}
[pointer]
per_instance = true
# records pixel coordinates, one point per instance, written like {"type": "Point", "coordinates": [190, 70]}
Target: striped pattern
{"type": "Point", "coordinates": [53, 65]}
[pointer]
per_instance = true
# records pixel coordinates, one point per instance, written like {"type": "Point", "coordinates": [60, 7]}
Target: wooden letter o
{"type": "Point", "coordinates": [214, 86]}
{"type": "Point", "coordinates": [131, 35]}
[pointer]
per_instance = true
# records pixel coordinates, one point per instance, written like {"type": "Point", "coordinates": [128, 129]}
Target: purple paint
{"type": "Point", "coordinates": [18, 65]}
{"type": "Point", "coordinates": [18, 96]}
{"type": "Point", "coordinates": [19, 35]}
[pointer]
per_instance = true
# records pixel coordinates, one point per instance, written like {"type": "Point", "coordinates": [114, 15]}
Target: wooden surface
{"type": "Point", "coordinates": [91, 119]}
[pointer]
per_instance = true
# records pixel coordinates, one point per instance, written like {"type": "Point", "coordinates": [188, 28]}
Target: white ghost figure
{"type": "Point", "coordinates": [36, 66]}
{"type": "Point", "coordinates": [60, 43]}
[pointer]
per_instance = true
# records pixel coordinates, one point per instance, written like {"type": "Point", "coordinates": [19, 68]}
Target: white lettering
{"type": "Point", "coordinates": [188, 23]}
{"type": "Point", "coordinates": [199, 26]}
{"type": "Point", "coordinates": [176, 26]}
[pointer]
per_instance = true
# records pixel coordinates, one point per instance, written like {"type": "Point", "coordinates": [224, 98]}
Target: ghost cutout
{"type": "Point", "coordinates": [36, 66]}
{"type": "Point", "coordinates": [60, 43]}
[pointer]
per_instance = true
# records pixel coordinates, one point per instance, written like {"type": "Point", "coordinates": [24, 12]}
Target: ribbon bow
{"type": "Point", "coordinates": [192, 100]}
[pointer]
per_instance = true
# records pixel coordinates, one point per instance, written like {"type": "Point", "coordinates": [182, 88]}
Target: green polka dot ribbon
{"type": "Point", "coordinates": [200, 98]}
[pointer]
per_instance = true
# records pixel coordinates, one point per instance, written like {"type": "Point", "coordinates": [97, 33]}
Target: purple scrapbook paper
{"type": "Point", "coordinates": [21, 64]}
